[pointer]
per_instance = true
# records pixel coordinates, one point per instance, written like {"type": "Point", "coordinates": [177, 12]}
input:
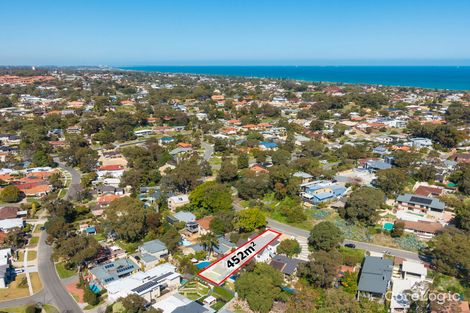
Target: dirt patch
{"type": "Point", "coordinates": [76, 292]}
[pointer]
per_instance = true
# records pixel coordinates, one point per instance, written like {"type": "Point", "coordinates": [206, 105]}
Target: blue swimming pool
{"type": "Point", "coordinates": [185, 242]}
{"type": "Point", "coordinates": [204, 264]}
{"type": "Point", "coordinates": [388, 226]}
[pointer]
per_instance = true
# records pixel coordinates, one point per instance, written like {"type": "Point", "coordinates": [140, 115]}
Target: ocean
{"type": "Point", "coordinates": [435, 77]}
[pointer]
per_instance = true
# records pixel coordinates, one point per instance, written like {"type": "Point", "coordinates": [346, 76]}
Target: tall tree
{"type": "Point", "coordinates": [363, 205]}
{"type": "Point", "coordinates": [325, 236]}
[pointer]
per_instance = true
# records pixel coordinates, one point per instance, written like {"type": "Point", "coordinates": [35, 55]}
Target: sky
{"type": "Point", "coordinates": [235, 32]}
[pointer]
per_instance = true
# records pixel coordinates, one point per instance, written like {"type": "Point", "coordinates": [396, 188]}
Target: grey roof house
{"type": "Point", "coordinates": [150, 253]}
{"type": "Point", "coordinates": [420, 203]}
{"type": "Point", "coordinates": [113, 271]}
{"type": "Point", "coordinates": [375, 278]}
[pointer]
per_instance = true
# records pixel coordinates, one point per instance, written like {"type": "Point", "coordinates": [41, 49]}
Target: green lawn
{"type": "Point", "coordinates": [37, 229]}
{"type": "Point", "coordinates": [444, 283]}
{"type": "Point", "coordinates": [99, 237]}
{"type": "Point", "coordinates": [351, 256]}
{"type": "Point", "coordinates": [33, 241]}
{"type": "Point", "coordinates": [222, 293]}
{"type": "Point", "coordinates": [63, 272]}
{"type": "Point", "coordinates": [129, 247]}
{"type": "Point", "coordinates": [22, 309]}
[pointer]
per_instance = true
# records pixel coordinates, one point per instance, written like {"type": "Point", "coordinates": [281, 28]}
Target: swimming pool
{"type": "Point", "coordinates": [185, 242]}
{"type": "Point", "coordinates": [388, 226]}
{"type": "Point", "coordinates": [204, 264]}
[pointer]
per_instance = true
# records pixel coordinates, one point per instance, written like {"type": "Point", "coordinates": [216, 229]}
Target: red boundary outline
{"type": "Point", "coordinates": [278, 234]}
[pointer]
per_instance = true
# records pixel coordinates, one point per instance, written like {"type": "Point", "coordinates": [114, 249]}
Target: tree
{"type": "Point", "coordinates": [398, 229]}
{"type": "Point", "coordinates": [211, 197]}
{"type": "Point", "coordinates": [134, 303]}
{"type": "Point", "coordinates": [243, 161]}
{"type": "Point", "coordinates": [10, 194]}
{"type": "Point", "coordinates": [77, 250]}
{"type": "Point", "coordinates": [125, 217]}
{"type": "Point", "coordinates": [280, 156]}
{"type": "Point", "coordinates": [251, 219]}
{"type": "Point", "coordinates": [289, 247]}
{"type": "Point", "coordinates": [322, 268]}
{"type": "Point", "coordinates": [426, 173]}
{"type": "Point", "coordinates": [222, 222]}
{"type": "Point", "coordinates": [252, 185]}
{"type": "Point", "coordinates": [317, 125]}
{"type": "Point", "coordinates": [451, 253]}
{"type": "Point", "coordinates": [392, 181]}
{"type": "Point", "coordinates": [260, 287]}
{"type": "Point", "coordinates": [349, 282]}
{"type": "Point", "coordinates": [303, 300]}
{"type": "Point", "coordinates": [325, 236]}
{"type": "Point", "coordinates": [462, 216]}
{"type": "Point", "coordinates": [228, 171]}
{"type": "Point", "coordinates": [89, 296]}
{"type": "Point", "coordinates": [16, 238]}
{"type": "Point", "coordinates": [209, 241]}
{"type": "Point", "coordinates": [170, 236]}
{"type": "Point", "coordinates": [61, 208]}
{"type": "Point", "coordinates": [462, 178]}
{"type": "Point", "coordinates": [362, 205]}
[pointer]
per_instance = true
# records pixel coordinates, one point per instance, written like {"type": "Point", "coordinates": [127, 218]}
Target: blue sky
{"type": "Point", "coordinates": [233, 32]}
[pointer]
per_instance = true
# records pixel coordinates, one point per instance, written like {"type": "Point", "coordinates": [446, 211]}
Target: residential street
{"type": "Point", "coordinates": [53, 291]}
{"type": "Point", "coordinates": [303, 235]}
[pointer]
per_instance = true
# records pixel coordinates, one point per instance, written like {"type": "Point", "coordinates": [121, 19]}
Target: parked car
{"type": "Point", "coordinates": [350, 245]}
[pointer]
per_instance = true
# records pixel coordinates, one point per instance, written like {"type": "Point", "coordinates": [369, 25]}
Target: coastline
{"type": "Point", "coordinates": [456, 78]}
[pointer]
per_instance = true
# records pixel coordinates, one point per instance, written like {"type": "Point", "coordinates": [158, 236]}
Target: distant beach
{"type": "Point", "coordinates": [434, 77]}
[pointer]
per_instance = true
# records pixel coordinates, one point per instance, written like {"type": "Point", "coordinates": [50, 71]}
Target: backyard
{"type": "Point", "coordinates": [16, 289]}
{"type": "Point", "coordinates": [194, 290]}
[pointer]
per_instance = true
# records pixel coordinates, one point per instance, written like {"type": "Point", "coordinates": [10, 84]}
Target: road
{"type": "Point", "coordinates": [208, 150]}
{"type": "Point", "coordinates": [53, 291]}
{"type": "Point", "coordinates": [75, 186]}
{"type": "Point", "coordinates": [303, 234]}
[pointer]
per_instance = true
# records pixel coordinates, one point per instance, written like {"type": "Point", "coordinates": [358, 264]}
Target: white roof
{"type": "Point", "coordinates": [124, 286]}
{"type": "Point", "coordinates": [4, 255]}
{"type": "Point", "coordinates": [179, 199]}
{"type": "Point", "coordinates": [170, 304]}
{"type": "Point", "coordinates": [414, 267]}
{"type": "Point", "coordinates": [11, 223]}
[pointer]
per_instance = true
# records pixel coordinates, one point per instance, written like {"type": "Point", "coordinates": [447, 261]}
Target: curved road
{"type": "Point", "coordinates": [53, 291]}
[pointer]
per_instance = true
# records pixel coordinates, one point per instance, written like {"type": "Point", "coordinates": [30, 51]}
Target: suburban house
{"type": "Point", "coordinates": [411, 276]}
{"type": "Point", "coordinates": [8, 224]}
{"type": "Point", "coordinates": [375, 277]}
{"type": "Point", "coordinates": [321, 190]}
{"type": "Point", "coordinates": [422, 229]}
{"type": "Point", "coordinates": [188, 218]}
{"type": "Point", "coordinates": [5, 262]}
{"type": "Point", "coordinates": [179, 153]}
{"type": "Point", "coordinates": [267, 146]}
{"type": "Point", "coordinates": [419, 204]}
{"type": "Point", "coordinates": [149, 284]}
{"type": "Point", "coordinates": [419, 143]}
{"type": "Point", "coordinates": [204, 224]}
{"type": "Point", "coordinates": [151, 252]}
{"type": "Point", "coordinates": [287, 266]}
{"type": "Point", "coordinates": [178, 303]}
{"type": "Point", "coordinates": [114, 171]}
{"type": "Point", "coordinates": [376, 165]}
{"type": "Point", "coordinates": [305, 177]}
{"type": "Point", "coordinates": [109, 272]}
{"type": "Point", "coordinates": [177, 201]}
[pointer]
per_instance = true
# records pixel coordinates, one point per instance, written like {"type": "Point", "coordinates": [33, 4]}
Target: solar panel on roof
{"type": "Point", "coordinates": [145, 286]}
{"type": "Point", "coordinates": [421, 200]}
{"type": "Point", "coordinates": [109, 265]}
